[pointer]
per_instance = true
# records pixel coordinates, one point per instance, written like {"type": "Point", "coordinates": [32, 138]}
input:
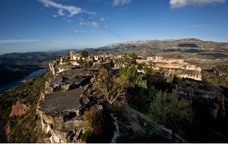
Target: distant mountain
{"type": "Point", "coordinates": [26, 58]}
{"type": "Point", "coordinates": [15, 66]}
{"type": "Point", "coordinates": [196, 51]}
{"type": "Point", "coordinates": [170, 44]}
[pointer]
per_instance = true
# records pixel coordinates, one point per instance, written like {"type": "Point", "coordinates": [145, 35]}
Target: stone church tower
{"type": "Point", "coordinates": [71, 54]}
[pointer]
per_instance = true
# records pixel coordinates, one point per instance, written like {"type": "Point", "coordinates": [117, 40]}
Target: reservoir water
{"type": "Point", "coordinates": [10, 85]}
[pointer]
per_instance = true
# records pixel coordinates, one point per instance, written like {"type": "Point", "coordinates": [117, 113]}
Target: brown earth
{"type": "Point", "coordinates": [7, 129]}
{"type": "Point", "coordinates": [18, 109]}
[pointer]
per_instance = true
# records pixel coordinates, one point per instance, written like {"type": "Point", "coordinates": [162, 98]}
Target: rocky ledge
{"type": "Point", "coordinates": [69, 80]}
{"type": "Point", "coordinates": [61, 106]}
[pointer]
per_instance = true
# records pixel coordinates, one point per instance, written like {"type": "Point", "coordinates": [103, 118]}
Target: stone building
{"type": "Point", "coordinates": [159, 62]}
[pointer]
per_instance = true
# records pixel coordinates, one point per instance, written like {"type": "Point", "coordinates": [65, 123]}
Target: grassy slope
{"type": "Point", "coordinates": [23, 129]}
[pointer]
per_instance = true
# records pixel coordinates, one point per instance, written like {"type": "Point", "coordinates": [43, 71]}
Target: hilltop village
{"type": "Point", "coordinates": [69, 94]}
{"type": "Point", "coordinates": [113, 98]}
{"type": "Point", "coordinates": [169, 67]}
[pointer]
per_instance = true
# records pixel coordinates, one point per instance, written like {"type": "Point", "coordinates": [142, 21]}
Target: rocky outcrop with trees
{"type": "Point", "coordinates": [60, 108]}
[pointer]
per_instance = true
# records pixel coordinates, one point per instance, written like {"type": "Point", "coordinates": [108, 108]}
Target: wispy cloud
{"type": "Point", "coordinates": [102, 19]}
{"type": "Point", "coordinates": [120, 2]}
{"type": "Point", "coordinates": [62, 10]}
{"type": "Point", "coordinates": [93, 24]}
{"type": "Point", "coordinates": [197, 26]}
{"type": "Point", "coordinates": [183, 3]}
{"type": "Point", "coordinates": [10, 41]}
{"type": "Point", "coordinates": [68, 20]}
{"type": "Point", "coordinates": [77, 32]}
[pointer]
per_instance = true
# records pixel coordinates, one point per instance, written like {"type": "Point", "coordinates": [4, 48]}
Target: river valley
{"type": "Point", "coordinates": [15, 83]}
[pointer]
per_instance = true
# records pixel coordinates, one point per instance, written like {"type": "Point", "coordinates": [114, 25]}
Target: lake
{"type": "Point", "coordinates": [10, 85]}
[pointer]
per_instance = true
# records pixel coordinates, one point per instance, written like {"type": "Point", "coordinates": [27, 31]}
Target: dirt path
{"type": "Point", "coordinates": [165, 131]}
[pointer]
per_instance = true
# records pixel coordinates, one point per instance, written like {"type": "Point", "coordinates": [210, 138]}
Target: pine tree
{"type": "Point", "coordinates": [167, 109]}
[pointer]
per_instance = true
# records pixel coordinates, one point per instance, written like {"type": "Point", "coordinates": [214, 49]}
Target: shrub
{"type": "Point", "coordinates": [168, 109]}
{"type": "Point", "coordinates": [93, 121]}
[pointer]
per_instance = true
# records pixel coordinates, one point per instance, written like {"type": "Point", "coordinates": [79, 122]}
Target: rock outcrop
{"type": "Point", "coordinates": [18, 109]}
{"type": "Point", "coordinates": [214, 98]}
{"type": "Point", "coordinates": [69, 80]}
{"type": "Point", "coordinates": [60, 115]}
{"type": "Point", "coordinates": [61, 106]}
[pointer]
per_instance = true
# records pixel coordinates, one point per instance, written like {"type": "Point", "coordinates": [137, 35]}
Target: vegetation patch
{"type": "Point", "coordinates": [23, 128]}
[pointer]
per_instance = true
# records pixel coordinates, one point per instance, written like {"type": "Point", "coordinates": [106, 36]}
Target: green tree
{"type": "Point", "coordinates": [133, 76]}
{"type": "Point", "coordinates": [140, 66]}
{"type": "Point", "coordinates": [222, 68]}
{"type": "Point", "coordinates": [125, 58]}
{"type": "Point", "coordinates": [113, 88]}
{"type": "Point", "coordinates": [84, 54]}
{"type": "Point", "coordinates": [133, 55]}
{"type": "Point", "coordinates": [148, 71]}
{"type": "Point", "coordinates": [167, 109]}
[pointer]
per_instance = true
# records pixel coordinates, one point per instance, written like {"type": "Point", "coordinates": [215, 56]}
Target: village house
{"type": "Point", "coordinates": [158, 63]}
{"type": "Point", "coordinates": [74, 56]}
{"type": "Point", "coordinates": [150, 58]}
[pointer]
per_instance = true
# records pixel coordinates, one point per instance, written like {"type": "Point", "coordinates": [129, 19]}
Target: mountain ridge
{"type": "Point", "coordinates": [165, 40]}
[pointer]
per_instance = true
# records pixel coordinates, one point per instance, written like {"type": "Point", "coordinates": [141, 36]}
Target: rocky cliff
{"type": "Point", "coordinates": [212, 95]}
{"type": "Point", "coordinates": [61, 106]}
{"type": "Point", "coordinates": [60, 116]}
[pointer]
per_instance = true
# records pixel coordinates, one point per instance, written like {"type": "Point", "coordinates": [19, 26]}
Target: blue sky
{"type": "Point", "coordinates": [46, 25]}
